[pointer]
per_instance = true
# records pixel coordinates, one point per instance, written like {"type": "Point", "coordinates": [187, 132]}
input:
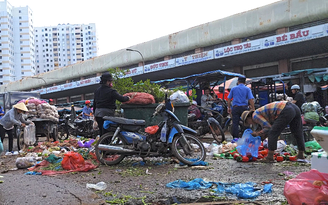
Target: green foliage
{"type": "Point", "coordinates": [126, 85]}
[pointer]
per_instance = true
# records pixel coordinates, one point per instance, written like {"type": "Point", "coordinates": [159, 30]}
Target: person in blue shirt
{"type": "Point", "coordinates": [87, 112]}
{"type": "Point", "coordinates": [243, 99]}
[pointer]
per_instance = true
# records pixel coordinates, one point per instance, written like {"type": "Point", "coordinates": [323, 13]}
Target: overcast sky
{"type": "Point", "coordinates": [124, 23]}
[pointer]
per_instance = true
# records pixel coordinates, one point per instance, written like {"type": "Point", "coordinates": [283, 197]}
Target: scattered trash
{"type": "Point", "coordinates": [25, 162]}
{"type": "Point", "coordinates": [99, 186]}
{"type": "Point", "coordinates": [148, 172]}
{"type": "Point", "coordinates": [245, 191]}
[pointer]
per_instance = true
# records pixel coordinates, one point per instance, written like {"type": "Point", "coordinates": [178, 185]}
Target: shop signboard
{"type": "Point", "coordinates": [240, 48]}
{"type": "Point", "coordinates": [132, 72]}
{"type": "Point", "coordinates": [85, 82]}
{"type": "Point", "coordinates": [160, 66]}
{"type": "Point", "coordinates": [195, 58]}
{"type": "Point", "coordinates": [67, 86]}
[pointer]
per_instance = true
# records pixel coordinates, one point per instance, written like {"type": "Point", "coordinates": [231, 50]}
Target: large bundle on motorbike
{"type": "Point", "coordinates": [41, 109]}
{"type": "Point", "coordinates": [312, 111]}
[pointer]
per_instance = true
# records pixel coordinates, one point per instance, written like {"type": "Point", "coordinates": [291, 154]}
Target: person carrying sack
{"type": "Point", "coordinates": [13, 117]}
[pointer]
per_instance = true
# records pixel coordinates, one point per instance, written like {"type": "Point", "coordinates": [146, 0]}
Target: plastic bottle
{"type": "Point", "coordinates": [99, 186]}
{"type": "Point", "coordinates": [163, 133]}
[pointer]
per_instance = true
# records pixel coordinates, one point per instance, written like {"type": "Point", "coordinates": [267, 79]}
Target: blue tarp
{"type": "Point", "coordinates": [241, 190]}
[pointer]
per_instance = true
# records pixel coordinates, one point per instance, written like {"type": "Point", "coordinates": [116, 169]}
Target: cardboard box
{"type": "Point", "coordinates": [319, 161]}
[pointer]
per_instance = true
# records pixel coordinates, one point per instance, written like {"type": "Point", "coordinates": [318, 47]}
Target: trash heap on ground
{"type": "Point", "coordinates": [249, 148]}
{"type": "Point", "coordinates": [51, 158]}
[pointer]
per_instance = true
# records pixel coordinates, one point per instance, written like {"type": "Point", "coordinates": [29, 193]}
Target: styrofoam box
{"type": "Point", "coordinates": [320, 134]}
{"type": "Point", "coordinates": [319, 161]}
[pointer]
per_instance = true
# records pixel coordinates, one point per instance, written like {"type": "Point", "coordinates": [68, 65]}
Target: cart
{"type": "Point", "coordinates": [43, 128]}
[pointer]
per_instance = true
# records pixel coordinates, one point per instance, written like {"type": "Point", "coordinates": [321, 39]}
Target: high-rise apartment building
{"type": "Point", "coordinates": [63, 45]}
{"type": "Point", "coordinates": [17, 59]}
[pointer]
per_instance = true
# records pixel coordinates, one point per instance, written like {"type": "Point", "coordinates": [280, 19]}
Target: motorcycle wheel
{"type": "Point", "coordinates": [106, 157]}
{"type": "Point", "coordinates": [216, 131]}
{"type": "Point", "coordinates": [240, 129]}
{"type": "Point", "coordinates": [188, 149]}
{"type": "Point", "coordinates": [62, 134]}
{"type": "Point", "coordinates": [20, 140]}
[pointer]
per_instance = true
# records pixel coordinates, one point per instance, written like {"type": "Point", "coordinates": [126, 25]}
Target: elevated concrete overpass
{"type": "Point", "coordinates": [272, 34]}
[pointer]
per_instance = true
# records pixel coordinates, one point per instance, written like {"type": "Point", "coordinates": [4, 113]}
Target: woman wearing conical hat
{"type": "Point", "coordinates": [13, 117]}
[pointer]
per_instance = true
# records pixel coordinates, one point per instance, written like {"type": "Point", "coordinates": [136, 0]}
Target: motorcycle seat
{"type": "Point", "coordinates": [125, 121]}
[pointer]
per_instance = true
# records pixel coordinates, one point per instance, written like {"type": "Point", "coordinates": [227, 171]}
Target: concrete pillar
{"type": "Point", "coordinates": [281, 30]}
{"type": "Point", "coordinates": [283, 66]}
{"type": "Point", "coordinates": [67, 99]}
{"type": "Point", "coordinates": [235, 41]}
{"type": "Point", "coordinates": [167, 58]}
{"type": "Point", "coordinates": [82, 78]}
{"type": "Point", "coordinates": [83, 97]}
{"type": "Point", "coordinates": [199, 50]}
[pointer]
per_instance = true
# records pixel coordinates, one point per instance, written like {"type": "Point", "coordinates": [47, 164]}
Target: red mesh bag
{"type": "Point", "coordinates": [139, 98]}
{"type": "Point", "coordinates": [152, 129]}
{"type": "Point", "coordinates": [72, 160]}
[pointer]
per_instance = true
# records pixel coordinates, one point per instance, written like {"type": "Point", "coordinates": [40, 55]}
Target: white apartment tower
{"type": "Point", "coordinates": [17, 59]}
{"type": "Point", "coordinates": [63, 45]}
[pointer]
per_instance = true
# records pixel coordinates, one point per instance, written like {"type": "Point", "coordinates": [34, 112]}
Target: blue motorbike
{"type": "Point", "coordinates": [126, 137]}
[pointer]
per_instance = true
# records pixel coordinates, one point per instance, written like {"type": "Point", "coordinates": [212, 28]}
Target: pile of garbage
{"type": "Point", "coordinates": [249, 149]}
{"type": "Point", "coordinates": [41, 109]}
{"type": "Point", "coordinates": [51, 158]}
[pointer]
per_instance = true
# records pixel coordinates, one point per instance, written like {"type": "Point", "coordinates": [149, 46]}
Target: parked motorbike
{"type": "Point", "coordinates": [69, 126]}
{"type": "Point", "coordinates": [225, 119]}
{"type": "Point", "coordinates": [126, 138]}
{"type": "Point", "coordinates": [207, 125]}
{"type": "Point", "coordinates": [324, 120]}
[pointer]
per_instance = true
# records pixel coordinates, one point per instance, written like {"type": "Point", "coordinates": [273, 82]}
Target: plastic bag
{"type": "Point", "coordinates": [280, 146]}
{"type": "Point", "coordinates": [72, 160]}
{"type": "Point", "coordinates": [99, 186]}
{"type": "Point", "coordinates": [310, 107]}
{"type": "Point", "coordinates": [248, 144]}
{"type": "Point", "coordinates": [151, 129]}
{"type": "Point", "coordinates": [307, 188]}
{"type": "Point", "coordinates": [313, 145]}
{"type": "Point", "coordinates": [179, 96]}
{"type": "Point", "coordinates": [29, 134]}
{"type": "Point", "coordinates": [25, 162]}
{"type": "Point", "coordinates": [95, 125]}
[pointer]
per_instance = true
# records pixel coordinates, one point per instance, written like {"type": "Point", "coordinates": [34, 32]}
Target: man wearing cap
{"type": "Point", "coordinates": [273, 118]}
{"type": "Point", "coordinates": [87, 112]}
{"type": "Point", "coordinates": [298, 98]}
{"type": "Point", "coordinates": [13, 117]}
{"type": "Point", "coordinates": [51, 102]}
{"type": "Point", "coordinates": [242, 98]}
{"type": "Point", "coordinates": [104, 103]}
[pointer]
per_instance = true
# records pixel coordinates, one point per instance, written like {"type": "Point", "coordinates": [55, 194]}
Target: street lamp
{"type": "Point", "coordinates": [143, 61]}
{"type": "Point", "coordinates": [41, 79]}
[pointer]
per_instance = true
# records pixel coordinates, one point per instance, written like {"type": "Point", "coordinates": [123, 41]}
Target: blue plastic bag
{"type": "Point", "coordinates": [249, 144]}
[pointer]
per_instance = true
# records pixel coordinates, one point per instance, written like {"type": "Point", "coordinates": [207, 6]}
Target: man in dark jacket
{"type": "Point", "coordinates": [105, 97]}
{"type": "Point", "coordinates": [298, 98]}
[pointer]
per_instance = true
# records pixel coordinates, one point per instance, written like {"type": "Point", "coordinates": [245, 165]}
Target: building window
{"type": "Point", "coordinates": [20, 11]}
{"type": "Point", "coordinates": [20, 17]}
